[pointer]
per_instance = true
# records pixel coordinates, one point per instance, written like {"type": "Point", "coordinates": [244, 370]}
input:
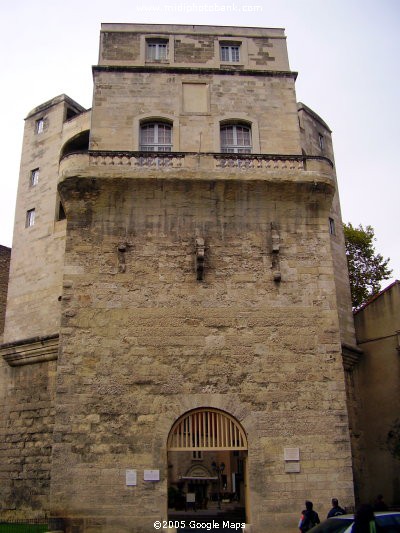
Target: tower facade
{"type": "Point", "coordinates": [178, 305]}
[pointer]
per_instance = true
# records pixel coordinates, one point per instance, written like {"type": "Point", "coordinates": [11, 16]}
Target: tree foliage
{"type": "Point", "coordinates": [366, 268]}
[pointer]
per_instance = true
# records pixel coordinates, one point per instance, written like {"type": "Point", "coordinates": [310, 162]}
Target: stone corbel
{"type": "Point", "coordinates": [199, 258]}
{"type": "Point", "coordinates": [275, 241]}
{"type": "Point", "coordinates": [121, 250]}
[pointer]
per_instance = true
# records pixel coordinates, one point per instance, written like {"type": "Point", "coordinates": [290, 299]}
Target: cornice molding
{"type": "Point", "coordinates": [171, 69]}
{"type": "Point", "coordinates": [31, 351]}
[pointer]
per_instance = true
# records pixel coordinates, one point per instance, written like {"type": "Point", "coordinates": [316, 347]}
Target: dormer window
{"type": "Point", "coordinates": [230, 53]}
{"type": "Point", "coordinates": [156, 49]}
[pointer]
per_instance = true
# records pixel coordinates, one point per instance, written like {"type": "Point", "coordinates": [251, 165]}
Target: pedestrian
{"type": "Point", "coordinates": [336, 509]}
{"type": "Point", "coordinates": [364, 520]}
{"type": "Point", "coordinates": [380, 504]}
{"type": "Point", "coordinates": [309, 518]}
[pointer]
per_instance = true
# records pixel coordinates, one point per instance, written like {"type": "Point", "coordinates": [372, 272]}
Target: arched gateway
{"type": "Point", "coordinates": [207, 453]}
{"type": "Point", "coordinates": [205, 430]}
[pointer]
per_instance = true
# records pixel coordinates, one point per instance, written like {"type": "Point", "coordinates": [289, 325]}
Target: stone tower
{"type": "Point", "coordinates": [178, 297]}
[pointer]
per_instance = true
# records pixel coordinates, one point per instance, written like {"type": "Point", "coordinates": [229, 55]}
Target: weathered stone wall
{"type": "Point", "coordinates": [312, 127]}
{"type": "Point", "coordinates": [267, 103]}
{"type": "Point", "coordinates": [33, 311]}
{"type": "Point", "coordinates": [141, 347]}
{"type": "Point", "coordinates": [316, 139]}
{"type": "Point", "coordinates": [142, 340]}
{"type": "Point", "coordinates": [37, 259]}
{"type": "Point", "coordinates": [377, 385]}
{"type": "Point", "coordinates": [194, 46]}
{"type": "Point", "coordinates": [27, 438]}
{"type": "Point", "coordinates": [5, 254]}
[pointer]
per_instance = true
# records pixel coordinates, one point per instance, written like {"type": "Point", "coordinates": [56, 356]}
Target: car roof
{"type": "Point", "coordinates": [376, 513]}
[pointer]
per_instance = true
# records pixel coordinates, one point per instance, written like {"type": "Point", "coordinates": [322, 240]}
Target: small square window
{"type": "Point", "coordinates": [30, 218]}
{"type": "Point", "coordinates": [39, 125]}
{"type": "Point", "coordinates": [34, 177]}
{"type": "Point", "coordinates": [230, 53]}
{"type": "Point", "coordinates": [157, 50]}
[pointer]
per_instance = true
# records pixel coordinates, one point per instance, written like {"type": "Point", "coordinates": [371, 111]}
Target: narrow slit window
{"type": "Point", "coordinates": [34, 177]}
{"type": "Point", "coordinates": [39, 125]}
{"type": "Point", "coordinates": [61, 212]}
{"type": "Point", "coordinates": [332, 229]}
{"type": "Point", "coordinates": [30, 218]}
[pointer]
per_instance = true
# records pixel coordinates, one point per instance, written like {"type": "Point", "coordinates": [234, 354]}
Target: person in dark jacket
{"type": "Point", "coordinates": [380, 504]}
{"type": "Point", "coordinates": [309, 518]}
{"type": "Point", "coordinates": [336, 509]}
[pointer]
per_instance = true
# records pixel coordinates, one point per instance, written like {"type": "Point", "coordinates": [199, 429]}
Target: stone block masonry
{"type": "Point", "coordinates": [141, 347]}
{"type": "Point", "coordinates": [5, 255]}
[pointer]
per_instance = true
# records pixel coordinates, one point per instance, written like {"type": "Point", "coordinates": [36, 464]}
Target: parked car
{"type": "Point", "coordinates": [388, 522]}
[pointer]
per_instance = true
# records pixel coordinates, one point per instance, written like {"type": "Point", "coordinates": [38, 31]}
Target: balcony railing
{"type": "Point", "coordinates": [192, 165]}
{"type": "Point", "coordinates": [138, 159]}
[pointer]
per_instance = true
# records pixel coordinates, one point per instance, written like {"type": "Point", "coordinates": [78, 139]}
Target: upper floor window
{"type": "Point", "coordinates": [230, 53]}
{"type": "Point", "coordinates": [39, 125]}
{"type": "Point", "coordinates": [321, 141]}
{"type": "Point", "coordinates": [156, 137]}
{"type": "Point", "coordinates": [235, 138]}
{"type": "Point", "coordinates": [30, 218]}
{"type": "Point", "coordinates": [34, 177]}
{"type": "Point", "coordinates": [156, 49]}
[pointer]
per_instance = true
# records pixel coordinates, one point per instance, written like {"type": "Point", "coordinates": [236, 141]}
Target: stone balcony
{"type": "Point", "coordinates": [313, 170]}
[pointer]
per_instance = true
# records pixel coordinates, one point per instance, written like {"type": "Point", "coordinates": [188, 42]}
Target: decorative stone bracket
{"type": "Point", "coordinates": [121, 250]}
{"type": "Point", "coordinates": [275, 241]}
{"type": "Point", "coordinates": [199, 258]}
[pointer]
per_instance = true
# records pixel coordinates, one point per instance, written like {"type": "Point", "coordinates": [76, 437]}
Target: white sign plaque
{"type": "Point", "coordinates": [291, 454]}
{"type": "Point", "coordinates": [151, 475]}
{"type": "Point", "coordinates": [131, 478]}
{"type": "Point", "coordinates": [292, 467]}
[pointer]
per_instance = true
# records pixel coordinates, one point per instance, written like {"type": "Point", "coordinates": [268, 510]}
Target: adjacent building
{"type": "Point", "coordinates": [377, 380]}
{"type": "Point", "coordinates": [178, 322]}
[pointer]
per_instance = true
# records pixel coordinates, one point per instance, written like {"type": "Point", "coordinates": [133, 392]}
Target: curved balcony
{"type": "Point", "coordinates": [198, 166]}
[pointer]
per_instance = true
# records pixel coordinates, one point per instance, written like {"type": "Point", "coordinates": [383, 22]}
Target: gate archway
{"type": "Point", "coordinates": [206, 430]}
{"type": "Point", "coordinates": [215, 440]}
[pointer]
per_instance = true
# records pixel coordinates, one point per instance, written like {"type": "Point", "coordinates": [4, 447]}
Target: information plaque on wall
{"type": "Point", "coordinates": [291, 454]}
{"type": "Point", "coordinates": [131, 478]}
{"type": "Point", "coordinates": [151, 475]}
{"type": "Point", "coordinates": [292, 467]}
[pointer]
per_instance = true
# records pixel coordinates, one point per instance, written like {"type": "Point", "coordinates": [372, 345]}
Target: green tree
{"type": "Point", "coordinates": [366, 268]}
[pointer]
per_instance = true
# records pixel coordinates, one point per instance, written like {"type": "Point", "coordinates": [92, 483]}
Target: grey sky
{"type": "Point", "coordinates": [346, 52]}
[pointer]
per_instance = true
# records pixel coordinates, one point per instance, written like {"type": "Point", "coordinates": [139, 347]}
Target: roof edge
{"type": "Point", "coordinates": [301, 106]}
{"type": "Point", "coordinates": [54, 101]}
{"type": "Point", "coordinates": [377, 295]}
